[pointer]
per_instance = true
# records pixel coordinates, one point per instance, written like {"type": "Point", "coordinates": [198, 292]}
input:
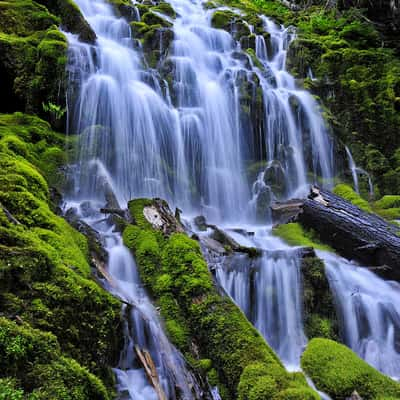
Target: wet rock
{"type": "Point", "coordinates": [275, 177]}
{"type": "Point", "coordinates": [286, 211]}
{"type": "Point", "coordinates": [354, 396]}
{"type": "Point", "coordinates": [200, 223]}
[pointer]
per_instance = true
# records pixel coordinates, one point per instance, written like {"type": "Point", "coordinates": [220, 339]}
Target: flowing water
{"type": "Point", "coordinates": [191, 143]}
{"type": "Point", "coordinates": [355, 171]}
{"type": "Point", "coordinates": [142, 328]}
{"type": "Point", "coordinates": [268, 290]}
{"type": "Point", "coordinates": [369, 310]}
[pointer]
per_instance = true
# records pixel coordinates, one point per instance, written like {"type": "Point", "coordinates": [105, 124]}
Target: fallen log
{"type": "Point", "coordinates": [355, 234]}
{"type": "Point", "coordinates": [151, 371]}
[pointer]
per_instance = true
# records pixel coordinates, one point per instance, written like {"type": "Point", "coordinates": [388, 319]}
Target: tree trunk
{"type": "Point", "coordinates": [354, 233]}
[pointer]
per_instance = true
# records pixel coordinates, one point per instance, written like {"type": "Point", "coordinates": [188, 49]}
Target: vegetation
{"type": "Point", "coordinates": [32, 57]}
{"type": "Point", "coordinates": [336, 370]}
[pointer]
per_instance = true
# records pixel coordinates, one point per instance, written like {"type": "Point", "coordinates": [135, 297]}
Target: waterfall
{"type": "Point", "coordinates": [355, 171]}
{"type": "Point", "coordinates": [190, 142]}
{"type": "Point", "coordinates": [268, 290]}
{"type": "Point", "coordinates": [369, 309]}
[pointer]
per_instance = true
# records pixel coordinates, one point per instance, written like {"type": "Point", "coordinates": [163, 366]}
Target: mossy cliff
{"type": "Point", "coordinates": [59, 330]}
{"type": "Point", "coordinates": [337, 371]}
{"type": "Point", "coordinates": [209, 329]}
{"type": "Point", "coordinates": [357, 77]}
{"type": "Point", "coordinates": [32, 57]}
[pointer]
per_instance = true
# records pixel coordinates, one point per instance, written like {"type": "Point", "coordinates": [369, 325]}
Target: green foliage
{"type": "Point", "coordinates": [350, 195]}
{"type": "Point", "coordinates": [54, 110]}
{"type": "Point", "coordinates": [8, 390]}
{"type": "Point", "coordinates": [336, 370]}
{"type": "Point", "coordinates": [295, 235]}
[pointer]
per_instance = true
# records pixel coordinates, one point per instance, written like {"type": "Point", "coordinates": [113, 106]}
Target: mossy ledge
{"type": "Point", "coordinates": [59, 330]}
{"type": "Point", "coordinates": [197, 317]}
{"type": "Point", "coordinates": [336, 370]}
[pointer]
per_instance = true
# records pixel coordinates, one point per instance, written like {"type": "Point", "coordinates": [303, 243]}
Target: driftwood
{"type": "Point", "coordinates": [9, 216]}
{"type": "Point", "coordinates": [151, 371]}
{"type": "Point", "coordinates": [355, 234]}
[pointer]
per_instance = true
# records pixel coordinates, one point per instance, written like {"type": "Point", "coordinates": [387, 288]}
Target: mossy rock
{"type": "Point", "coordinates": [32, 57]}
{"type": "Point", "coordinates": [337, 371]}
{"type": "Point", "coordinates": [320, 316]}
{"type": "Point", "coordinates": [34, 358]}
{"type": "Point", "coordinates": [71, 17]}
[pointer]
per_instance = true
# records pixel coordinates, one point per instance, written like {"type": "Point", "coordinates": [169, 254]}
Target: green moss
{"type": "Point", "coordinates": [72, 19]}
{"type": "Point", "coordinates": [9, 390]}
{"type": "Point", "coordinates": [32, 57]}
{"type": "Point", "coordinates": [336, 370]}
{"type": "Point", "coordinates": [350, 195]}
{"type": "Point", "coordinates": [295, 235]}
{"type": "Point", "coordinates": [297, 394]}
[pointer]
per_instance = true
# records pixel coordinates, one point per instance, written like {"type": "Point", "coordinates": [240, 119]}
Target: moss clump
{"type": "Point", "coordinates": [174, 270]}
{"type": "Point", "coordinates": [336, 370]}
{"type": "Point", "coordinates": [44, 269]}
{"type": "Point", "coordinates": [295, 235]}
{"type": "Point", "coordinates": [35, 361]}
{"type": "Point", "coordinates": [71, 18]}
{"type": "Point", "coordinates": [350, 195]}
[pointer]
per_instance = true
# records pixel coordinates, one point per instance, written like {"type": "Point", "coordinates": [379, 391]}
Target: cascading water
{"type": "Point", "coordinates": [295, 132]}
{"type": "Point", "coordinates": [267, 289]}
{"type": "Point", "coordinates": [142, 327]}
{"type": "Point", "coordinates": [355, 171]}
{"type": "Point", "coordinates": [369, 308]}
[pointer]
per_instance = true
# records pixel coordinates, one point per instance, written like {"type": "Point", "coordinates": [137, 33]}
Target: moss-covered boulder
{"type": "Point", "coordinates": [34, 361]}
{"type": "Point", "coordinates": [71, 18]}
{"type": "Point", "coordinates": [200, 322]}
{"type": "Point", "coordinates": [336, 370]}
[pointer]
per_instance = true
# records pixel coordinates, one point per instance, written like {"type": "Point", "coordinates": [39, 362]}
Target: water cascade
{"type": "Point", "coordinates": [142, 327]}
{"type": "Point", "coordinates": [268, 290]}
{"type": "Point", "coordinates": [369, 308]}
{"type": "Point", "coordinates": [357, 170]}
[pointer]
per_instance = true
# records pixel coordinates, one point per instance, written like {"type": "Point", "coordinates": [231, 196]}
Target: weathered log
{"type": "Point", "coordinates": [355, 234]}
{"type": "Point", "coordinates": [283, 212]}
{"type": "Point", "coordinates": [151, 371]}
